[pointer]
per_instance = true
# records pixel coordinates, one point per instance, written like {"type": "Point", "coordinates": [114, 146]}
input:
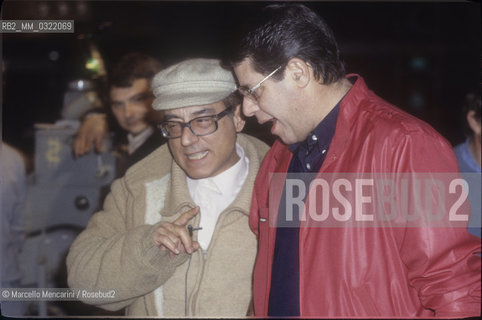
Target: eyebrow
{"type": "Point", "coordinates": [140, 95]}
{"type": "Point", "coordinates": [201, 112]}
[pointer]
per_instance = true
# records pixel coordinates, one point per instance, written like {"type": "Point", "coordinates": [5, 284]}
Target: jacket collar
{"type": "Point", "coordinates": [177, 196]}
{"type": "Point", "coordinates": [242, 203]}
{"type": "Point", "coordinates": [349, 108]}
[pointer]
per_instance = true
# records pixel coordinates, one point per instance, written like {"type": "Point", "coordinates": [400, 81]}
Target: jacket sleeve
{"type": "Point", "coordinates": [443, 263]}
{"type": "Point", "coordinates": [109, 256]}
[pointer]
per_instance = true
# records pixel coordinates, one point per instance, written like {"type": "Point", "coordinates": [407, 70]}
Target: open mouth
{"type": "Point", "coordinates": [197, 155]}
{"type": "Point", "coordinates": [266, 121]}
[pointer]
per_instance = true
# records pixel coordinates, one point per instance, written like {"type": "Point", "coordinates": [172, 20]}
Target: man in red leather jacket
{"type": "Point", "coordinates": [290, 74]}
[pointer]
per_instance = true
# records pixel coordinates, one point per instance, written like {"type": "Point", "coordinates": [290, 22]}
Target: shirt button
{"type": "Point", "coordinates": [323, 152]}
{"type": "Point", "coordinates": [308, 166]}
{"type": "Point", "coordinates": [314, 138]}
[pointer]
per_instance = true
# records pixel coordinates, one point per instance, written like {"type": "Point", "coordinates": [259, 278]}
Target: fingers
{"type": "Point", "coordinates": [168, 240]}
{"type": "Point", "coordinates": [175, 236]}
{"type": "Point", "coordinates": [195, 245]}
{"type": "Point", "coordinates": [99, 131]}
{"type": "Point", "coordinates": [186, 239]}
{"type": "Point", "coordinates": [175, 243]}
{"type": "Point", "coordinates": [81, 144]}
{"type": "Point", "coordinates": [99, 143]}
{"type": "Point", "coordinates": [77, 147]}
{"type": "Point", "coordinates": [186, 216]}
{"type": "Point", "coordinates": [90, 134]}
{"type": "Point", "coordinates": [83, 140]}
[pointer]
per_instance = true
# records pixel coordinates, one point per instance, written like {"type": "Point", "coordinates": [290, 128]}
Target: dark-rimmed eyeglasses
{"type": "Point", "coordinates": [201, 126]}
{"type": "Point", "coordinates": [251, 93]}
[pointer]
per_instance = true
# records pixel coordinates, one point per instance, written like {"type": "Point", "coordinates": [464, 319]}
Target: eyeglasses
{"type": "Point", "coordinates": [201, 126]}
{"type": "Point", "coordinates": [251, 93]}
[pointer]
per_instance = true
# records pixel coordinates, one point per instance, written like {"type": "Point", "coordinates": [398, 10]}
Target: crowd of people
{"type": "Point", "coordinates": [196, 224]}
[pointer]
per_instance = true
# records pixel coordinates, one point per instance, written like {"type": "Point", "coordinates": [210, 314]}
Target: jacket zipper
{"type": "Point", "coordinates": [198, 284]}
{"type": "Point", "coordinates": [189, 309]}
{"type": "Point", "coordinates": [204, 260]}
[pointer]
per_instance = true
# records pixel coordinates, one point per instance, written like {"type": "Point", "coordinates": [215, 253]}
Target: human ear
{"type": "Point", "coordinates": [238, 119]}
{"type": "Point", "coordinates": [474, 123]}
{"type": "Point", "coordinates": [299, 71]}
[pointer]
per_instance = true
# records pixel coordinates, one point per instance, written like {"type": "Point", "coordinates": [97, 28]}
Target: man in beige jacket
{"type": "Point", "coordinates": [173, 237]}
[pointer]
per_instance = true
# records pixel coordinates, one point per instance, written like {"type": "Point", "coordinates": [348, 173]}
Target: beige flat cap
{"type": "Point", "coordinates": [193, 82]}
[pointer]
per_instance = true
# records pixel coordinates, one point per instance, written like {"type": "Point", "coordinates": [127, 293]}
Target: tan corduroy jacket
{"type": "Point", "coordinates": [116, 251]}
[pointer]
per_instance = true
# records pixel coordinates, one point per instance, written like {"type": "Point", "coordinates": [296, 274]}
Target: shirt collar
{"type": "Point", "coordinates": [135, 141]}
{"type": "Point", "coordinates": [321, 136]}
{"type": "Point", "coordinates": [228, 180]}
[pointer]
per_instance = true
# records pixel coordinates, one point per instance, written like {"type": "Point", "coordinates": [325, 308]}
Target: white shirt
{"type": "Point", "coordinates": [214, 194]}
{"type": "Point", "coordinates": [135, 141]}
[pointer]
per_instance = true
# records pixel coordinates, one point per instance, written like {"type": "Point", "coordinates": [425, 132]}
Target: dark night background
{"type": "Point", "coordinates": [423, 57]}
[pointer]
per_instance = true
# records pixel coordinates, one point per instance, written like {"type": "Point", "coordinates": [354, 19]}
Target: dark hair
{"type": "Point", "coordinates": [472, 103]}
{"type": "Point", "coordinates": [131, 67]}
{"type": "Point", "coordinates": [233, 100]}
{"type": "Point", "coordinates": [285, 31]}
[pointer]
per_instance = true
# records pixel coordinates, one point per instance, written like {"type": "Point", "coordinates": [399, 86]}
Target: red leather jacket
{"type": "Point", "coordinates": [390, 272]}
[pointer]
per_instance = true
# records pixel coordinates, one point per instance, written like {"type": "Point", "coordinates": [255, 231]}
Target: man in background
{"type": "Point", "coordinates": [130, 99]}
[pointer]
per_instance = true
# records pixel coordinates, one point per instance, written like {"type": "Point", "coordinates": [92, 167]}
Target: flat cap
{"type": "Point", "coordinates": [193, 82]}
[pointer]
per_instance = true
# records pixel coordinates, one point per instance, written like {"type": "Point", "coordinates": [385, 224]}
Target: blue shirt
{"type": "Point", "coordinates": [471, 173]}
{"type": "Point", "coordinates": [308, 156]}
{"type": "Point", "coordinates": [465, 159]}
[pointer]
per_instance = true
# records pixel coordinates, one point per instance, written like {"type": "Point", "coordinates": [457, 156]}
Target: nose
{"type": "Point", "coordinates": [249, 107]}
{"type": "Point", "coordinates": [188, 137]}
{"type": "Point", "coordinates": [128, 110]}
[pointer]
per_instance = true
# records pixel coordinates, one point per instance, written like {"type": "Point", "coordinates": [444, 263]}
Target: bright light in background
{"type": "Point", "coordinates": [93, 65]}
